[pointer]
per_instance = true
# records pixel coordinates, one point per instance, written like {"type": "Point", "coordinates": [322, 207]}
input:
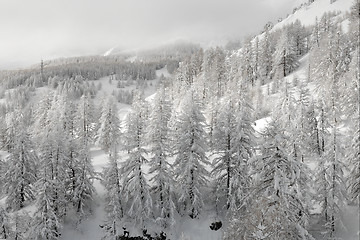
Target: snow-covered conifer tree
{"type": "Point", "coordinates": [234, 139]}
{"type": "Point", "coordinates": [352, 103]}
{"type": "Point", "coordinates": [136, 189]}
{"type": "Point", "coordinates": [276, 210]}
{"type": "Point", "coordinates": [41, 117]}
{"type": "Point", "coordinates": [334, 168]}
{"type": "Point", "coordinates": [219, 72]}
{"type": "Point", "coordinates": [112, 182]}
{"type": "Point", "coordinates": [46, 224]}
{"type": "Point", "coordinates": [265, 57]}
{"type": "Point", "coordinates": [354, 108]}
{"type": "Point", "coordinates": [285, 58]}
{"type": "Point", "coordinates": [20, 225]}
{"type": "Point", "coordinates": [247, 67]}
{"type": "Point", "coordinates": [354, 177]}
{"type": "Point", "coordinates": [20, 175]}
{"type": "Point", "coordinates": [243, 148]}
{"type": "Point", "coordinates": [315, 35]}
{"type": "Point", "coordinates": [255, 60]}
{"type": "Point", "coordinates": [354, 25]}
{"type": "Point", "coordinates": [112, 176]}
{"type": "Point", "coordinates": [223, 137]}
{"type": "Point", "coordinates": [9, 135]}
{"type": "Point", "coordinates": [67, 120]}
{"type": "Point", "coordinates": [298, 34]}
{"type": "Point", "coordinates": [53, 157]}
{"type": "Point", "coordinates": [212, 110]}
{"type": "Point", "coordinates": [303, 124]}
{"type": "Point", "coordinates": [109, 124]}
{"type": "Point", "coordinates": [162, 180]}
{"type": "Point", "coordinates": [84, 189]}
{"type": "Point", "coordinates": [83, 171]}
{"type": "Point", "coordinates": [85, 119]}
{"type": "Point", "coordinates": [190, 159]}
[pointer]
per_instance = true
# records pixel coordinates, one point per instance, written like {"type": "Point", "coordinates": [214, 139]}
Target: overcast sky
{"type": "Point", "coordinates": [32, 30]}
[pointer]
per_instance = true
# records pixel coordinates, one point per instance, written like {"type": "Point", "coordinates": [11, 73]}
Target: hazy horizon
{"type": "Point", "coordinates": [39, 29]}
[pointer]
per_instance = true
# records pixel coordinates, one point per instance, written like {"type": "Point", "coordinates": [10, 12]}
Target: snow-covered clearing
{"type": "Point", "coordinates": [109, 86]}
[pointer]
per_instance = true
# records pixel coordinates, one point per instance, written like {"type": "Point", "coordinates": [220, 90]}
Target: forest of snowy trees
{"type": "Point", "coordinates": [194, 146]}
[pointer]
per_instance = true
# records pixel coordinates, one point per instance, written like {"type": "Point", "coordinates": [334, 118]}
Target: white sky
{"type": "Point", "coordinates": [31, 30]}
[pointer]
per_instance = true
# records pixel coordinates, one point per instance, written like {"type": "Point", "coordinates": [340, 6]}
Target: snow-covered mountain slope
{"type": "Point", "coordinates": [108, 52]}
{"type": "Point", "coordinates": [307, 14]}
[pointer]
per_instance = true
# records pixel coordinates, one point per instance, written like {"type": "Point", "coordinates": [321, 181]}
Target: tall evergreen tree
{"type": "Point", "coordinates": [162, 180]}
{"type": "Point", "coordinates": [41, 117]}
{"type": "Point", "coordinates": [84, 189]}
{"type": "Point", "coordinates": [334, 177]}
{"type": "Point", "coordinates": [109, 124]}
{"type": "Point", "coordinates": [84, 172]}
{"type": "Point", "coordinates": [285, 58]}
{"type": "Point", "coordinates": [190, 159]}
{"type": "Point", "coordinates": [20, 176]}
{"type": "Point", "coordinates": [67, 119]}
{"type": "Point", "coordinates": [298, 35]}
{"type": "Point", "coordinates": [223, 163]}
{"type": "Point", "coordinates": [219, 71]}
{"type": "Point", "coordinates": [51, 200]}
{"type": "Point", "coordinates": [303, 124]}
{"type": "Point", "coordinates": [354, 105]}
{"type": "Point", "coordinates": [136, 187]}
{"type": "Point", "coordinates": [247, 67]}
{"type": "Point", "coordinates": [255, 60]}
{"type": "Point", "coordinates": [85, 119]}
{"type": "Point", "coordinates": [234, 139]}
{"type": "Point", "coordinates": [265, 57]}
{"type": "Point", "coordinates": [112, 183]}
{"type": "Point", "coordinates": [281, 178]}
{"type": "Point", "coordinates": [112, 176]}
{"type": "Point", "coordinates": [47, 224]}
{"type": "Point", "coordinates": [333, 167]}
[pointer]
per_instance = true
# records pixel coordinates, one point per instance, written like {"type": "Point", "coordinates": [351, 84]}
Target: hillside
{"type": "Point", "coordinates": [308, 13]}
